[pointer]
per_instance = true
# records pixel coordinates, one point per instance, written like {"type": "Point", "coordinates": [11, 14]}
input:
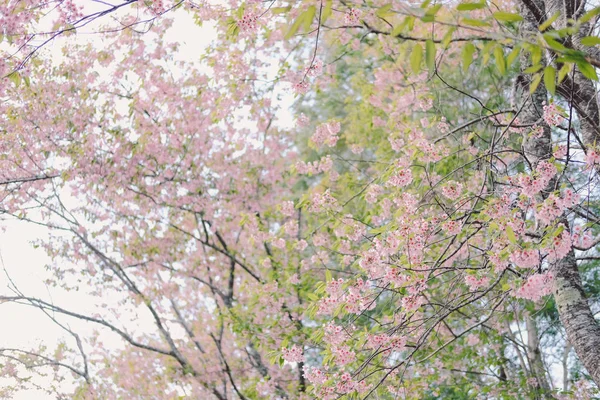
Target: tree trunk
{"type": "Point", "coordinates": [576, 316]}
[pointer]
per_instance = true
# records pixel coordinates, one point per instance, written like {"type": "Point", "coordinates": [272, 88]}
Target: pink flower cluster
{"type": "Point", "coordinates": [401, 178]}
{"type": "Point", "coordinates": [323, 202]}
{"type": "Point", "coordinates": [287, 208]}
{"type": "Point", "coordinates": [584, 240]}
{"type": "Point", "coordinates": [532, 185]}
{"type": "Point", "coordinates": [293, 354]}
{"type": "Point", "coordinates": [527, 258]}
{"type": "Point", "coordinates": [314, 375]}
{"type": "Point", "coordinates": [313, 168]}
{"type": "Point", "coordinates": [452, 190]}
{"type": "Point", "coordinates": [352, 17]}
{"type": "Point", "coordinates": [473, 283]}
{"type": "Point", "coordinates": [552, 115]}
{"type": "Point", "coordinates": [452, 227]}
{"type": "Point", "coordinates": [536, 286]}
{"type": "Point", "coordinates": [412, 303]}
{"type": "Point", "coordinates": [248, 22]}
{"type": "Point", "coordinates": [301, 87]}
{"type": "Point", "coordinates": [343, 355]}
{"type": "Point", "coordinates": [561, 245]}
{"type": "Point", "coordinates": [592, 158]}
{"type": "Point", "coordinates": [386, 341]}
{"type": "Point", "coordinates": [315, 69]}
{"type": "Point", "coordinates": [326, 134]}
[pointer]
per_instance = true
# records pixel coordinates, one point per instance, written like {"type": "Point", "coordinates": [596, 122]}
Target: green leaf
{"type": "Point", "coordinates": [312, 296]}
{"type": "Point", "coordinates": [536, 54]}
{"type": "Point", "coordinates": [295, 26]}
{"type": "Point", "coordinates": [326, 11]}
{"type": "Point", "coordinates": [533, 69]}
{"type": "Point", "coordinates": [15, 78]}
{"type": "Point", "coordinates": [430, 54]}
{"type": "Point", "coordinates": [507, 17]}
{"type": "Point", "coordinates": [415, 58]}
{"type": "Point", "coordinates": [474, 22]}
{"type": "Point", "coordinates": [550, 79]}
{"type": "Point", "coordinates": [470, 6]}
{"type": "Point", "coordinates": [587, 70]}
{"type": "Point", "coordinates": [328, 276]}
{"type": "Point", "coordinates": [310, 15]}
{"type": "Point", "coordinates": [589, 15]}
{"type": "Point", "coordinates": [448, 37]}
{"type": "Point", "coordinates": [564, 70]}
{"type": "Point", "coordinates": [535, 82]}
{"type": "Point", "coordinates": [549, 22]}
{"type": "Point", "coordinates": [280, 10]}
{"type": "Point", "coordinates": [553, 43]}
{"type": "Point", "coordinates": [467, 55]}
{"type": "Point", "coordinates": [510, 234]}
{"type": "Point", "coordinates": [513, 55]}
{"type": "Point", "coordinates": [384, 11]}
{"type": "Point", "coordinates": [433, 10]}
{"type": "Point", "coordinates": [500, 62]}
{"type": "Point", "coordinates": [590, 41]}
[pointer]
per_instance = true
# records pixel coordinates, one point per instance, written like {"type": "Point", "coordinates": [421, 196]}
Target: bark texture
{"type": "Point", "coordinates": [583, 331]}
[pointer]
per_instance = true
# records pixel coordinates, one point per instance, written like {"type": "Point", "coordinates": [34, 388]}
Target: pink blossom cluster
{"type": "Point", "coordinates": [373, 192]}
{"type": "Point", "coordinates": [352, 17]}
{"type": "Point", "coordinates": [287, 208]}
{"type": "Point", "coordinates": [347, 385]}
{"type": "Point", "coordinates": [372, 264]}
{"type": "Point", "coordinates": [530, 186]}
{"type": "Point", "coordinates": [302, 120]}
{"type": "Point", "coordinates": [335, 287]}
{"type": "Point", "coordinates": [472, 340]}
{"type": "Point", "coordinates": [560, 247]}
{"type": "Point", "coordinates": [293, 354]}
{"type": "Point", "coordinates": [412, 303]}
{"type": "Point", "coordinates": [552, 115]}
{"type": "Point", "coordinates": [526, 258]}
{"type": "Point", "coordinates": [351, 229]}
{"type": "Point", "coordinates": [321, 202]}
{"type": "Point", "coordinates": [395, 276]}
{"type": "Point", "coordinates": [592, 158]}
{"type": "Point", "coordinates": [452, 227]}
{"type": "Point", "coordinates": [452, 190]}
{"type": "Point", "coordinates": [443, 125]}
{"type": "Point", "coordinates": [315, 69]}
{"type": "Point", "coordinates": [314, 375]}
{"type": "Point", "coordinates": [401, 178]}
{"type": "Point", "coordinates": [312, 168]}
{"type": "Point", "coordinates": [248, 22]}
{"type": "Point", "coordinates": [583, 240]}
{"type": "Point", "coordinates": [550, 209]}
{"type": "Point", "coordinates": [326, 134]}
{"type": "Point", "coordinates": [536, 286]}
{"type": "Point", "coordinates": [473, 283]}
{"type": "Point", "coordinates": [396, 143]}
{"type": "Point", "coordinates": [335, 334]}
{"type": "Point", "coordinates": [69, 11]}
{"type": "Point", "coordinates": [343, 355]}
{"type": "Point", "coordinates": [354, 300]}
{"type": "Point", "coordinates": [499, 264]}
{"type": "Point", "coordinates": [301, 87]}
{"type": "Point", "coordinates": [561, 152]}
{"type": "Point", "coordinates": [386, 341]}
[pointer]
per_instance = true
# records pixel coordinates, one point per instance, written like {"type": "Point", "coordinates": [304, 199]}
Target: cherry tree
{"type": "Point", "coordinates": [427, 229]}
